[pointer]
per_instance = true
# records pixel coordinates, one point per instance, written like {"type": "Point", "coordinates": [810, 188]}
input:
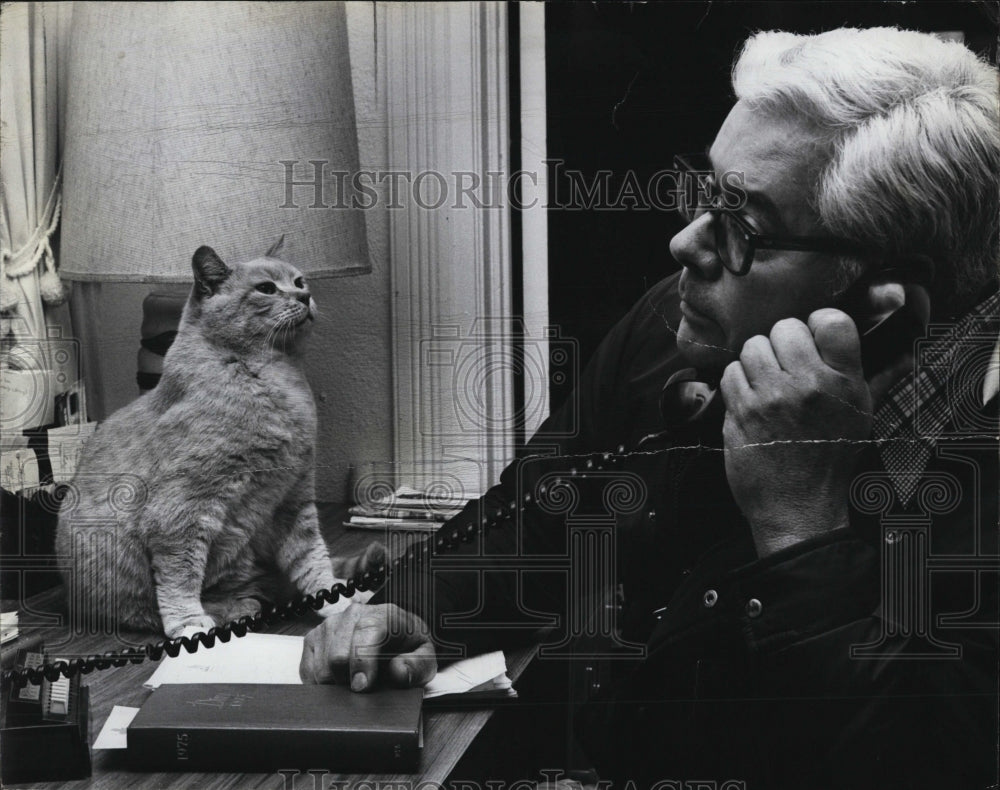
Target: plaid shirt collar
{"type": "Point", "coordinates": [944, 391]}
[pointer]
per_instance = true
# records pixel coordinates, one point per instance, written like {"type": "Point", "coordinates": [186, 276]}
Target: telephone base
{"type": "Point", "coordinates": [46, 750]}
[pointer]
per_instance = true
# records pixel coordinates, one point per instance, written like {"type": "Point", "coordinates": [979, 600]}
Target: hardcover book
{"type": "Point", "coordinates": [263, 727]}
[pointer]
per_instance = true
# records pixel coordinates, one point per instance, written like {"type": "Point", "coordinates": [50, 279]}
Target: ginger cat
{"type": "Point", "coordinates": [196, 501]}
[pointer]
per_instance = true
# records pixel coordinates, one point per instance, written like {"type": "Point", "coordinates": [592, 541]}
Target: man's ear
{"type": "Point", "coordinates": [276, 247]}
{"type": "Point", "coordinates": [209, 271]}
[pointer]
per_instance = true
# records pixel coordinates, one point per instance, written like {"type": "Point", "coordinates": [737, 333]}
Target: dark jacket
{"type": "Point", "coordinates": [865, 658]}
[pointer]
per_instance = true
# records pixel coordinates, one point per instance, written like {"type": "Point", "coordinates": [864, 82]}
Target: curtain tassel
{"type": "Point", "coordinates": [38, 250]}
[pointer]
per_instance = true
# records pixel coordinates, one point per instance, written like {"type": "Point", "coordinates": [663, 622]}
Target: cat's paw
{"type": "Point", "coordinates": [371, 560]}
{"type": "Point", "coordinates": [189, 626]}
{"type": "Point", "coordinates": [233, 609]}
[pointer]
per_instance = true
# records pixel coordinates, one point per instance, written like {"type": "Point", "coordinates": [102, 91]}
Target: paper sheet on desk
{"type": "Point", "coordinates": [254, 658]}
{"type": "Point", "coordinates": [114, 732]}
{"type": "Point", "coordinates": [486, 672]}
{"type": "Point", "coordinates": [274, 658]}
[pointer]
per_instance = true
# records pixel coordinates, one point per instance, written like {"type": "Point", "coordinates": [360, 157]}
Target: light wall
{"type": "Point", "coordinates": [348, 363]}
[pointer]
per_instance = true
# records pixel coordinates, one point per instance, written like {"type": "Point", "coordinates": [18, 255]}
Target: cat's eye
{"type": "Point", "coordinates": [300, 283]}
{"type": "Point", "coordinates": [267, 287]}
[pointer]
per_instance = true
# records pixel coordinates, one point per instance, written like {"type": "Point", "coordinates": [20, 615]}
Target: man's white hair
{"type": "Point", "coordinates": [913, 124]}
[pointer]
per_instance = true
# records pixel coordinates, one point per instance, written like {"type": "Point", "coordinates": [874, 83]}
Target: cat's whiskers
{"type": "Point", "coordinates": [281, 333]}
{"type": "Point", "coordinates": [271, 340]}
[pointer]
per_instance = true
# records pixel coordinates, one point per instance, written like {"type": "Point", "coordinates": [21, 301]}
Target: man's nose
{"type": "Point", "coordinates": [304, 298]}
{"type": "Point", "coordinates": [694, 248]}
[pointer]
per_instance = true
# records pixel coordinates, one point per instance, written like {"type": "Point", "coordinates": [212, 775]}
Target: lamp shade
{"type": "Point", "coordinates": [187, 124]}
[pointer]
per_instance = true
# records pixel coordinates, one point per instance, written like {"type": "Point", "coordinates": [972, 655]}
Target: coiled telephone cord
{"type": "Point", "coordinates": [300, 605]}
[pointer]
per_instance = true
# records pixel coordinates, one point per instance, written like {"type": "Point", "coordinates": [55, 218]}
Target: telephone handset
{"type": "Point", "coordinates": [884, 343]}
{"type": "Point", "coordinates": [688, 397]}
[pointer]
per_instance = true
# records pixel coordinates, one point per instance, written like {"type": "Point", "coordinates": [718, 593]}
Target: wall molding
{"type": "Point", "coordinates": [444, 72]}
{"type": "Point", "coordinates": [534, 215]}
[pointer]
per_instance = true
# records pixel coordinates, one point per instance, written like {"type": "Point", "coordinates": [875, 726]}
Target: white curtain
{"type": "Point", "coordinates": [33, 38]}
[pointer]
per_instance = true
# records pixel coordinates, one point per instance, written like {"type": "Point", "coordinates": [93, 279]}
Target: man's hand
{"type": "Point", "coordinates": [356, 645]}
{"type": "Point", "coordinates": [797, 405]}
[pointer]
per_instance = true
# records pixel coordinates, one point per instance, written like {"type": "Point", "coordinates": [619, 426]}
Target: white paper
{"type": "Point", "coordinates": [254, 658]}
{"type": "Point", "coordinates": [275, 658]}
{"type": "Point", "coordinates": [470, 673]}
{"type": "Point", "coordinates": [65, 446]}
{"type": "Point", "coordinates": [113, 733]}
{"type": "Point", "coordinates": [19, 470]}
{"type": "Point", "coordinates": [8, 627]}
{"type": "Point", "coordinates": [24, 394]}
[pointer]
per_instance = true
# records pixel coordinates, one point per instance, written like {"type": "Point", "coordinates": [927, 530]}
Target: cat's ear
{"type": "Point", "coordinates": [209, 271]}
{"type": "Point", "coordinates": [276, 247]}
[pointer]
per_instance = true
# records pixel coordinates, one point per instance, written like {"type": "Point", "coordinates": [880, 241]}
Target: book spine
{"type": "Point", "coordinates": [237, 750]}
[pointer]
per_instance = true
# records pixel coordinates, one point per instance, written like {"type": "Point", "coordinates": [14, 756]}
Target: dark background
{"type": "Point", "coordinates": [628, 85]}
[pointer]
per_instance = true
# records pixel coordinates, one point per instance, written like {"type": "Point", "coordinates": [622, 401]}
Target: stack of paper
{"type": "Point", "coordinates": [405, 509]}
{"type": "Point", "coordinates": [483, 676]}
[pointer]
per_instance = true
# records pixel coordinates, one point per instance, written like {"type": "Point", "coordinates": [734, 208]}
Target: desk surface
{"type": "Point", "coordinates": [447, 734]}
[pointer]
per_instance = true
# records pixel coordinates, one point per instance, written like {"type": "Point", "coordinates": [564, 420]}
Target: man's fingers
{"type": "Point", "coordinates": [371, 635]}
{"type": "Point", "coordinates": [836, 339]}
{"type": "Point", "coordinates": [734, 387]}
{"type": "Point", "coordinates": [415, 668]}
{"type": "Point", "coordinates": [383, 631]}
{"type": "Point", "coordinates": [758, 359]}
{"type": "Point", "coordinates": [348, 649]}
{"type": "Point", "coordinates": [325, 654]}
{"type": "Point", "coordinates": [885, 298]}
{"type": "Point", "coordinates": [307, 664]}
{"type": "Point", "coordinates": [794, 345]}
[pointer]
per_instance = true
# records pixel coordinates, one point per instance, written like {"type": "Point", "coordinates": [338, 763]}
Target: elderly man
{"type": "Point", "coordinates": [811, 565]}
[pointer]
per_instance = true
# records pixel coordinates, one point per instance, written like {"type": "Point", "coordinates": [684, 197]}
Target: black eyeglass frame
{"type": "Point", "coordinates": [688, 163]}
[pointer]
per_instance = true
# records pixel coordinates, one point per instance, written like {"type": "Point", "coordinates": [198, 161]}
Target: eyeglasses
{"type": "Point", "coordinates": [735, 238]}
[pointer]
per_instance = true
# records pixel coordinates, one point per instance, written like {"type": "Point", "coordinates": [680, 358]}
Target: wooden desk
{"type": "Point", "coordinates": [447, 734]}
